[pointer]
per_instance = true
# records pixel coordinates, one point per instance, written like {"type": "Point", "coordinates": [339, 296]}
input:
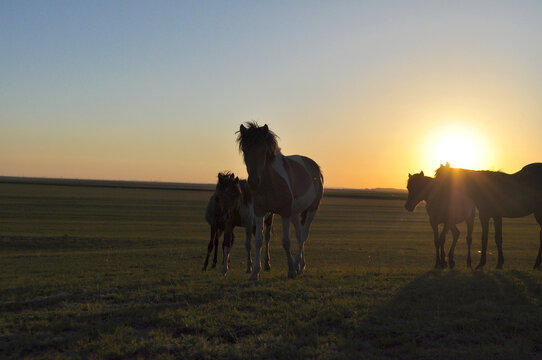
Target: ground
{"type": "Point", "coordinates": [90, 272]}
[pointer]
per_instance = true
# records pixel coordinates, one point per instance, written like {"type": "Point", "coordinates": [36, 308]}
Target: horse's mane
{"type": "Point", "coordinates": [446, 170]}
{"type": "Point", "coordinates": [254, 135]}
{"type": "Point", "coordinates": [225, 179]}
{"type": "Point", "coordinates": [225, 173]}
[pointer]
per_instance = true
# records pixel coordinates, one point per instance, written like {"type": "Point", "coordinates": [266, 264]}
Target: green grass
{"type": "Point", "coordinates": [116, 273]}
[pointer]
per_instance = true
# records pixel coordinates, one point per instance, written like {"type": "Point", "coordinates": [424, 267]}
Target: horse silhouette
{"type": "Point", "coordinates": [231, 206]}
{"type": "Point", "coordinates": [497, 195]}
{"type": "Point", "coordinates": [442, 208]}
{"type": "Point", "coordinates": [291, 186]}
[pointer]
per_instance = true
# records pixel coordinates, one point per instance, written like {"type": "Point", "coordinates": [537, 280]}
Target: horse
{"type": "Point", "coordinates": [496, 195]}
{"type": "Point", "coordinates": [442, 208]}
{"type": "Point", "coordinates": [291, 186]}
{"type": "Point", "coordinates": [230, 206]}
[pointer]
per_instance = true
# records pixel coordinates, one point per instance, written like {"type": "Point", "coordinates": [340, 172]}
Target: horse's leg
{"type": "Point", "coordinates": [470, 227]}
{"type": "Point", "coordinates": [305, 233]}
{"type": "Point", "coordinates": [498, 240]}
{"type": "Point", "coordinates": [286, 245]}
{"type": "Point", "coordinates": [248, 238]}
{"type": "Point", "coordinates": [538, 217]}
{"type": "Point", "coordinates": [442, 240]}
{"type": "Point", "coordinates": [455, 233]}
{"type": "Point", "coordinates": [268, 225]}
{"type": "Point", "coordinates": [485, 227]}
{"type": "Point", "coordinates": [299, 235]}
{"type": "Point", "coordinates": [218, 234]}
{"type": "Point", "coordinates": [434, 226]}
{"type": "Point", "coordinates": [209, 248]}
{"type": "Point", "coordinates": [227, 245]}
{"type": "Point", "coordinates": [258, 239]}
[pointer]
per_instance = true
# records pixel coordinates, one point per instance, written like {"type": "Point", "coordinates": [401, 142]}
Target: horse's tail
{"type": "Point", "coordinates": [316, 174]}
{"type": "Point", "coordinates": [319, 182]}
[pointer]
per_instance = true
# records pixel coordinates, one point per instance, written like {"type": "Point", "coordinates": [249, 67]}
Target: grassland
{"type": "Point", "coordinates": [94, 272]}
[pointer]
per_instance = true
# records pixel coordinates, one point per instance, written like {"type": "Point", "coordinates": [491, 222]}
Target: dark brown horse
{"type": "Point", "coordinates": [291, 186]}
{"type": "Point", "coordinates": [442, 208]}
{"type": "Point", "coordinates": [231, 206]}
{"type": "Point", "coordinates": [497, 195]}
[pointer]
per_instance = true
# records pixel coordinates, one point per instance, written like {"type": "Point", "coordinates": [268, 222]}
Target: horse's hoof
{"type": "Point", "coordinates": [213, 266]}
{"type": "Point", "coordinates": [292, 274]}
{"type": "Point", "coordinates": [480, 267]}
{"type": "Point", "coordinates": [267, 267]}
{"type": "Point", "coordinates": [254, 277]}
{"type": "Point", "coordinates": [452, 264]}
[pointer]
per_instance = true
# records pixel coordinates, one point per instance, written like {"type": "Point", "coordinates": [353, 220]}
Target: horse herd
{"type": "Point", "coordinates": [292, 187]}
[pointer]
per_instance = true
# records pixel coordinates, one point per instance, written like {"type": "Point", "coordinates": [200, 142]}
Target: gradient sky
{"type": "Point", "coordinates": [155, 90]}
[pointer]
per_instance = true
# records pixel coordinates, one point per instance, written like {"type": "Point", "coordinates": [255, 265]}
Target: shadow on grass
{"type": "Point", "coordinates": [125, 320]}
{"type": "Point", "coordinates": [453, 315]}
{"type": "Point", "coordinates": [445, 315]}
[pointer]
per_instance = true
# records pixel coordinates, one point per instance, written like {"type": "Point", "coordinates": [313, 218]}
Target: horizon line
{"type": "Point", "coordinates": [3, 179]}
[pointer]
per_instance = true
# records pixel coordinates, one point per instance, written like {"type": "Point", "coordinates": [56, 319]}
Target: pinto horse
{"type": "Point", "coordinates": [497, 195]}
{"type": "Point", "coordinates": [442, 208]}
{"type": "Point", "coordinates": [228, 207]}
{"type": "Point", "coordinates": [291, 186]}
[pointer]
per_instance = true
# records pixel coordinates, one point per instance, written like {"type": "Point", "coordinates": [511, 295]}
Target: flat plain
{"type": "Point", "coordinates": [105, 272]}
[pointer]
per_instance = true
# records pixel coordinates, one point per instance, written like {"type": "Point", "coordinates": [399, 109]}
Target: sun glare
{"type": "Point", "coordinates": [459, 145]}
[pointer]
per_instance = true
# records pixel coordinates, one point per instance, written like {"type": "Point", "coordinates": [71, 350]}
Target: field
{"type": "Point", "coordinates": [105, 272]}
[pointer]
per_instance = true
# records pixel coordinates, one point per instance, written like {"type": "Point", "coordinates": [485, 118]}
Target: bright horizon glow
{"type": "Point", "coordinates": [155, 91]}
{"type": "Point", "coordinates": [459, 145]}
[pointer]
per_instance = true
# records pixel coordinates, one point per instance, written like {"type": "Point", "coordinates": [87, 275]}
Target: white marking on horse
{"type": "Point", "coordinates": [226, 259]}
{"type": "Point", "coordinates": [303, 202]}
{"type": "Point", "coordinates": [300, 203]}
{"type": "Point", "coordinates": [278, 166]}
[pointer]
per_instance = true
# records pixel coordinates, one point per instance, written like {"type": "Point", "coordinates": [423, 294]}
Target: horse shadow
{"type": "Point", "coordinates": [450, 315]}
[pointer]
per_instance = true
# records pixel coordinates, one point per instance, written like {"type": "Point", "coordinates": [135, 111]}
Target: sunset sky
{"type": "Point", "coordinates": [155, 90]}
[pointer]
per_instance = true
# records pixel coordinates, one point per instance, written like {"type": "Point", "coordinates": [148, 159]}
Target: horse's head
{"type": "Point", "coordinates": [258, 145]}
{"type": "Point", "coordinates": [227, 193]}
{"type": "Point", "coordinates": [417, 190]}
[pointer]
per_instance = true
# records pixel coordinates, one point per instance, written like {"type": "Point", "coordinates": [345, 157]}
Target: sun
{"type": "Point", "coordinates": [459, 145]}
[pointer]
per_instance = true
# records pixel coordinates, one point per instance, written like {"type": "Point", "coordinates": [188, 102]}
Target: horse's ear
{"type": "Point", "coordinates": [220, 177]}
{"type": "Point", "coordinates": [447, 164]}
{"type": "Point", "coordinates": [421, 173]}
{"type": "Point", "coordinates": [236, 181]}
{"type": "Point", "coordinates": [266, 128]}
{"type": "Point", "coordinates": [242, 129]}
{"type": "Point", "coordinates": [409, 175]}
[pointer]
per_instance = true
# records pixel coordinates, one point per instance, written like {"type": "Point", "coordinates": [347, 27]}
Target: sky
{"type": "Point", "coordinates": [371, 90]}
